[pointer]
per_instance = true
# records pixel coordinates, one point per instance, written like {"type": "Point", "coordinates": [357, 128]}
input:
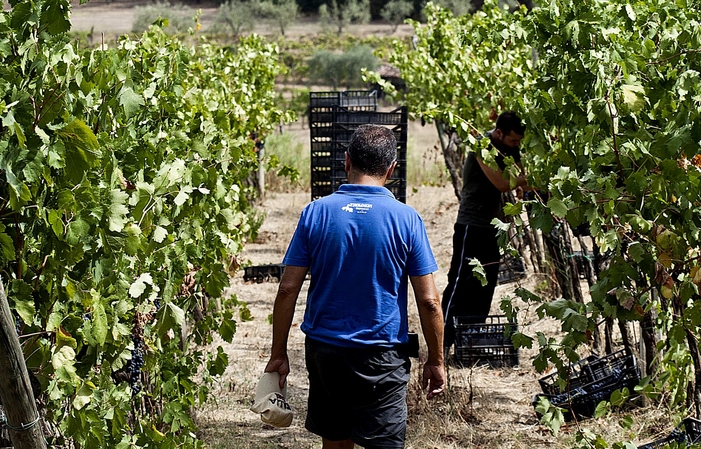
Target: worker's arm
{"type": "Point", "coordinates": [496, 177]}
{"type": "Point", "coordinates": [283, 312]}
{"type": "Point", "coordinates": [431, 316]}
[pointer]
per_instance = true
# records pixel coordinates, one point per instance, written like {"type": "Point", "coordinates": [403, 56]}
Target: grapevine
{"type": "Point", "coordinates": [126, 167]}
{"type": "Point", "coordinates": [612, 143]}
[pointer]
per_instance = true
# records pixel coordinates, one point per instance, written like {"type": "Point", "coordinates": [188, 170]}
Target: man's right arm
{"type": "Point", "coordinates": [431, 317]}
{"type": "Point", "coordinates": [283, 312]}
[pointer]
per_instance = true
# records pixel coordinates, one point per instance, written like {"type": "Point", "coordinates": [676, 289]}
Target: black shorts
{"type": "Point", "coordinates": [358, 394]}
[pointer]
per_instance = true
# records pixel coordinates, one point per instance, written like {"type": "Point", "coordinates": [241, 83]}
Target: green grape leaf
{"type": "Point", "coordinates": [160, 234]}
{"type": "Point", "coordinates": [81, 149]}
{"type": "Point", "coordinates": [99, 323]}
{"type": "Point", "coordinates": [7, 247]}
{"type": "Point", "coordinates": [84, 395]}
{"type": "Point", "coordinates": [558, 207]}
{"type": "Point", "coordinates": [138, 287]}
{"type": "Point", "coordinates": [118, 210]}
{"type": "Point", "coordinates": [20, 296]}
{"type": "Point", "coordinates": [634, 97]}
{"type": "Point", "coordinates": [219, 364]}
{"type": "Point", "coordinates": [55, 15]}
{"type": "Point", "coordinates": [63, 362]}
{"type": "Point", "coordinates": [130, 101]}
{"type": "Point", "coordinates": [227, 328]}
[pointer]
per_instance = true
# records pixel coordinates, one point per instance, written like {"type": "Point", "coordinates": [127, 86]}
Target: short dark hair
{"type": "Point", "coordinates": [372, 149]}
{"type": "Point", "coordinates": [510, 121]}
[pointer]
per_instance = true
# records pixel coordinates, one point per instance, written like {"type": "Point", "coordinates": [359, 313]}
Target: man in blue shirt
{"type": "Point", "coordinates": [362, 248]}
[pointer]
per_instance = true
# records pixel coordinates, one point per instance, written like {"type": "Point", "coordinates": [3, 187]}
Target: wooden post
{"type": "Point", "coordinates": [15, 389]}
{"type": "Point", "coordinates": [261, 171]}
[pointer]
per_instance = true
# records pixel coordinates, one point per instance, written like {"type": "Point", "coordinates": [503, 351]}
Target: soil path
{"type": "Point", "coordinates": [496, 402]}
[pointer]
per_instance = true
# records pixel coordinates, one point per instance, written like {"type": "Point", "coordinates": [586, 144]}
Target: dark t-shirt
{"type": "Point", "coordinates": [481, 201]}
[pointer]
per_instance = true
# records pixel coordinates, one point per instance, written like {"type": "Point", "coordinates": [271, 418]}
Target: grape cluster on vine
{"type": "Point", "coordinates": [135, 364]}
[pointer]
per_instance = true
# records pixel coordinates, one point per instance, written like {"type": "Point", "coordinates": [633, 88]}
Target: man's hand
{"type": "Point", "coordinates": [434, 379]}
{"type": "Point", "coordinates": [281, 365]}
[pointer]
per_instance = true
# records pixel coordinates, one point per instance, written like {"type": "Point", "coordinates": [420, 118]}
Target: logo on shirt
{"type": "Point", "coordinates": [358, 208]}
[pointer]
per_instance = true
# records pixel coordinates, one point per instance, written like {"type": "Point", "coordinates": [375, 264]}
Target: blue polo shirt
{"type": "Point", "coordinates": [360, 245]}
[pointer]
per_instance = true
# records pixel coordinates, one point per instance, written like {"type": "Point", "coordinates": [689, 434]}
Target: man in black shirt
{"type": "Point", "coordinates": [474, 236]}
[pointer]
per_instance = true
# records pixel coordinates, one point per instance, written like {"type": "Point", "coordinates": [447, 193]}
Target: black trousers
{"type": "Point", "coordinates": [465, 295]}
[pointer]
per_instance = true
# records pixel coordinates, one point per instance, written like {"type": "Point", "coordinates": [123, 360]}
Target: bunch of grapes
{"type": "Point", "coordinates": [135, 364]}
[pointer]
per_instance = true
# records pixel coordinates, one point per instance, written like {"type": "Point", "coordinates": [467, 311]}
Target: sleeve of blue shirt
{"type": "Point", "coordinates": [422, 261]}
{"type": "Point", "coordinates": [297, 253]}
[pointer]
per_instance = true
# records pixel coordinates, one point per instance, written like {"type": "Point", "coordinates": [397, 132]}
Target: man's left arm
{"type": "Point", "coordinates": [502, 183]}
{"type": "Point", "coordinates": [431, 316]}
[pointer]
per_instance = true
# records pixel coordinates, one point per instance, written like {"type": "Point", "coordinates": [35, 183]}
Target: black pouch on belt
{"type": "Point", "coordinates": [413, 345]}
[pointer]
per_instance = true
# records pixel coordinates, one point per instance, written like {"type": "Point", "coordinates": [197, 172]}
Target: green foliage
{"type": "Point", "coordinates": [295, 53]}
{"type": "Point", "coordinates": [338, 16]}
{"type": "Point", "coordinates": [341, 69]}
{"type": "Point", "coordinates": [396, 11]}
{"type": "Point", "coordinates": [607, 90]}
{"type": "Point", "coordinates": [124, 175]}
{"type": "Point", "coordinates": [180, 17]}
{"type": "Point", "coordinates": [553, 417]}
{"type": "Point", "coordinates": [291, 163]}
{"type": "Point", "coordinates": [457, 51]}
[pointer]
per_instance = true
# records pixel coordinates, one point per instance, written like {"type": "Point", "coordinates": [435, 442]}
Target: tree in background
{"type": "Point", "coordinates": [457, 7]}
{"type": "Point", "coordinates": [333, 15]}
{"type": "Point", "coordinates": [396, 11]}
{"type": "Point", "coordinates": [280, 13]}
{"type": "Point", "coordinates": [336, 69]}
{"type": "Point", "coordinates": [236, 16]}
{"type": "Point", "coordinates": [180, 17]}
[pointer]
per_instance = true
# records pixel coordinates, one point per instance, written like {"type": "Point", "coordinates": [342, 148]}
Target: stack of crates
{"type": "Point", "coordinates": [333, 118]}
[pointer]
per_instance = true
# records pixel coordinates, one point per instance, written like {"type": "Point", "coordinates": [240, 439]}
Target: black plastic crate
{"type": "Point", "coordinates": [591, 381]}
{"type": "Point", "coordinates": [485, 341]}
{"type": "Point", "coordinates": [591, 370]}
{"type": "Point", "coordinates": [317, 132]}
{"type": "Point", "coordinates": [396, 117]}
{"type": "Point", "coordinates": [687, 432]}
{"type": "Point", "coordinates": [320, 192]}
{"type": "Point", "coordinates": [353, 99]}
{"type": "Point", "coordinates": [263, 273]}
{"type": "Point", "coordinates": [579, 374]}
{"type": "Point", "coordinates": [511, 269]}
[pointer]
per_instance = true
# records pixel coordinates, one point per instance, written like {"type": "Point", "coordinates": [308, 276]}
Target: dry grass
{"type": "Point", "coordinates": [482, 407]}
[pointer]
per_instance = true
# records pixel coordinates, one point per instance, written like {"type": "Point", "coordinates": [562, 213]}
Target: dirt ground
{"type": "Point", "coordinates": [483, 407]}
{"type": "Point", "coordinates": [504, 394]}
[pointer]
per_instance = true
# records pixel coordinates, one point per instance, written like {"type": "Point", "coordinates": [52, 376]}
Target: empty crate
{"type": "Point", "coordinates": [485, 341]}
{"type": "Point", "coordinates": [263, 273]}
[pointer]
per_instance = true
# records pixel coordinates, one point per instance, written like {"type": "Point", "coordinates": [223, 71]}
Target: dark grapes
{"type": "Point", "coordinates": [135, 364]}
